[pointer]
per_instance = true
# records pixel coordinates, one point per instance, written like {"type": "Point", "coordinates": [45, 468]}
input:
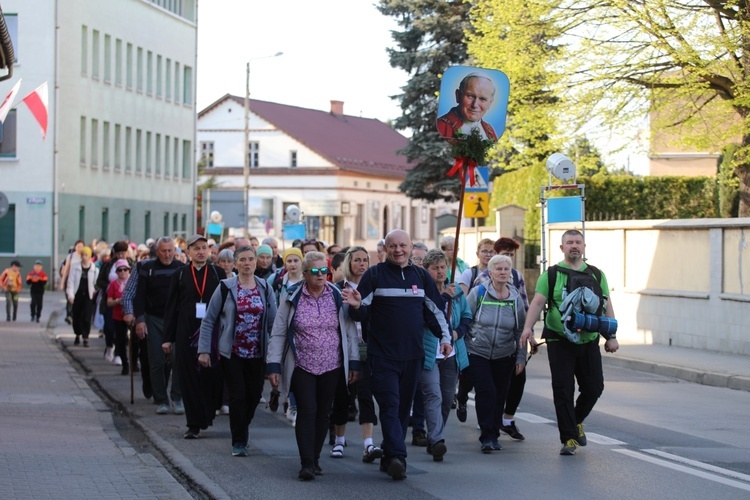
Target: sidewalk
{"type": "Point", "coordinates": [57, 438]}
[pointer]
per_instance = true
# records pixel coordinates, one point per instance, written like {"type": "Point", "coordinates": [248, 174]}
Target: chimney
{"type": "Point", "coordinates": [337, 107]}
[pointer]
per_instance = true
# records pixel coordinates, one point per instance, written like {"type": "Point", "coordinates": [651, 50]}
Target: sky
{"type": "Point", "coordinates": [332, 50]}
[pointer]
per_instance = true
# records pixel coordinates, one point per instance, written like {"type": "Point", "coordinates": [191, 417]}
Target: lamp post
{"type": "Point", "coordinates": [246, 164]}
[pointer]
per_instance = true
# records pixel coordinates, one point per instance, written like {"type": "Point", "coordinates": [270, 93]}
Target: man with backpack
{"type": "Point", "coordinates": [571, 357]}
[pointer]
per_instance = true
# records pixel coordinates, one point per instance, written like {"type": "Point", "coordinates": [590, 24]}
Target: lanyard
{"type": "Point", "coordinates": [195, 280]}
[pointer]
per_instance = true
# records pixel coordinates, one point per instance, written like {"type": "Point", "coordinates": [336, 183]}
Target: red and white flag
{"type": "Point", "coordinates": [37, 103]}
{"type": "Point", "coordinates": [7, 104]}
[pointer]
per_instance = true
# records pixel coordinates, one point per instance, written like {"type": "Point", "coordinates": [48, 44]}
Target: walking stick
{"type": "Point", "coordinates": [131, 362]}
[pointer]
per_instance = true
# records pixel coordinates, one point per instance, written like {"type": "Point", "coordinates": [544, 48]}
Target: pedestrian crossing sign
{"type": "Point", "coordinates": [476, 205]}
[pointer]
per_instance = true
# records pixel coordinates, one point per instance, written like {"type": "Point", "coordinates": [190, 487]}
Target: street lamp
{"type": "Point", "coordinates": [246, 164]}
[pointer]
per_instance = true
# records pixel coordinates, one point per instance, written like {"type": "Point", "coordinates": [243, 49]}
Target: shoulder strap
{"type": "Point", "coordinates": [474, 274]}
{"type": "Point", "coordinates": [551, 281]}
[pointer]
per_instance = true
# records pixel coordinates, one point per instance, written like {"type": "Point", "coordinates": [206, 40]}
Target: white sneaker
{"type": "Point", "coordinates": [118, 361]}
{"type": "Point", "coordinates": [225, 410]}
{"type": "Point", "coordinates": [109, 354]}
{"type": "Point", "coordinates": [291, 413]}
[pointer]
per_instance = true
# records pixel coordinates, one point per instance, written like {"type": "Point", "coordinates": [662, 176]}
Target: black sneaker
{"type": "Point", "coordinates": [317, 469]}
{"type": "Point", "coordinates": [581, 439]}
{"type": "Point", "coordinates": [496, 445]}
{"type": "Point", "coordinates": [419, 438]}
{"type": "Point", "coordinates": [486, 446]}
{"type": "Point", "coordinates": [371, 454]}
{"type": "Point", "coordinates": [437, 450]}
{"type": "Point", "coordinates": [512, 431]}
{"type": "Point", "coordinates": [306, 473]}
{"type": "Point", "coordinates": [77, 341]}
{"type": "Point", "coordinates": [397, 468]}
{"type": "Point", "coordinates": [384, 463]}
{"type": "Point", "coordinates": [569, 448]}
{"type": "Point", "coordinates": [191, 433]}
{"type": "Point", "coordinates": [461, 412]}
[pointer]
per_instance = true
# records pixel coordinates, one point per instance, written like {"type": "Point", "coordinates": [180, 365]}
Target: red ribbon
{"type": "Point", "coordinates": [458, 169]}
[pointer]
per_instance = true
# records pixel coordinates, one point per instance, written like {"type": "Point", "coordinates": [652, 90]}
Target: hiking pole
{"type": "Point", "coordinates": [534, 350]}
{"type": "Point", "coordinates": [131, 362]}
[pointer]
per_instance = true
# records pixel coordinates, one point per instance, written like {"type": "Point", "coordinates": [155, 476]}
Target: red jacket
{"type": "Point", "coordinates": [451, 122]}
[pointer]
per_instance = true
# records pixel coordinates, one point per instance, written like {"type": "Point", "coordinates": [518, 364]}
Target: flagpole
{"type": "Point", "coordinates": [458, 232]}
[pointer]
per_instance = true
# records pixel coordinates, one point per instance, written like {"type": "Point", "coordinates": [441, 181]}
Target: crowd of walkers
{"type": "Point", "coordinates": [207, 323]}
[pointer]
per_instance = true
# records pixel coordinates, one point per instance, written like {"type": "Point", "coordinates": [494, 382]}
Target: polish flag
{"type": "Point", "coordinates": [7, 104]}
{"type": "Point", "coordinates": [37, 103]}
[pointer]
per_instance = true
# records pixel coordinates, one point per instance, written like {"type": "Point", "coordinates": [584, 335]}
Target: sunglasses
{"type": "Point", "coordinates": [317, 270]}
{"type": "Point", "coordinates": [123, 269]}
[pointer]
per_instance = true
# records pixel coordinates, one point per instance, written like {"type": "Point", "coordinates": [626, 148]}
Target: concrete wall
{"type": "Point", "coordinates": [674, 282]}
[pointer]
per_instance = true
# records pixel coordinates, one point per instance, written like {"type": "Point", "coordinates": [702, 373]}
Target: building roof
{"type": "Point", "coordinates": [352, 143]}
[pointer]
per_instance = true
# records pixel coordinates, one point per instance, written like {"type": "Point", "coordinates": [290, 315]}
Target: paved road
{"type": "Point", "coordinates": [651, 436]}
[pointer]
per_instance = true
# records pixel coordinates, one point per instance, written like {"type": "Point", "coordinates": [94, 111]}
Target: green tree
{"type": "Point", "coordinates": [586, 157]}
{"type": "Point", "coordinates": [514, 36]}
{"type": "Point", "coordinates": [685, 61]}
{"type": "Point", "coordinates": [431, 40]}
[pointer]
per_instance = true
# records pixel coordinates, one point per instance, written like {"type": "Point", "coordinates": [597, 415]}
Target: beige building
{"type": "Point", "coordinates": [342, 171]}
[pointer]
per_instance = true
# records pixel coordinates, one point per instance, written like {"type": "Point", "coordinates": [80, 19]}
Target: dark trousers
{"type": "Point", "coordinates": [465, 385]}
{"type": "Point", "coordinates": [491, 379]}
{"type": "Point", "coordinates": [515, 392]}
{"type": "Point", "coordinates": [244, 379]}
{"type": "Point", "coordinates": [364, 395]}
{"type": "Point", "coordinates": [393, 384]}
{"type": "Point", "coordinates": [36, 303]}
{"type": "Point", "coordinates": [140, 352]}
{"type": "Point", "coordinates": [121, 341]}
{"type": "Point", "coordinates": [109, 328]}
{"type": "Point", "coordinates": [314, 394]}
{"type": "Point", "coordinates": [341, 400]}
{"type": "Point", "coordinates": [417, 411]}
{"type": "Point", "coordinates": [159, 369]}
{"type": "Point", "coordinates": [569, 363]}
{"type": "Point", "coordinates": [11, 304]}
{"type": "Point", "coordinates": [199, 385]}
{"type": "Point", "coordinates": [81, 312]}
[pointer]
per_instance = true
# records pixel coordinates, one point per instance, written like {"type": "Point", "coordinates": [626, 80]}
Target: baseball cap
{"type": "Point", "coordinates": [38, 262]}
{"type": "Point", "coordinates": [196, 238]}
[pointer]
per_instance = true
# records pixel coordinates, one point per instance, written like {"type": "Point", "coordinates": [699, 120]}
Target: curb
{"type": "Point", "coordinates": [713, 379]}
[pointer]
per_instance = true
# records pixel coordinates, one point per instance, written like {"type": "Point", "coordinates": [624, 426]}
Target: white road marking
{"type": "Point", "coordinates": [592, 437]}
{"type": "Point", "coordinates": [687, 470]}
{"type": "Point", "coordinates": [534, 419]}
{"type": "Point", "coordinates": [700, 465]}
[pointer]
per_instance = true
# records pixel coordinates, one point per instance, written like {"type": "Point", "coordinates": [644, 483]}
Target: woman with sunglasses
{"type": "Point", "coordinates": [114, 300]}
{"type": "Point", "coordinates": [313, 345]}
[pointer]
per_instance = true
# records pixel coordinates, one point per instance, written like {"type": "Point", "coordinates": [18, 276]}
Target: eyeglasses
{"type": "Point", "coordinates": [416, 259]}
{"type": "Point", "coordinates": [123, 269]}
{"type": "Point", "coordinates": [317, 270]}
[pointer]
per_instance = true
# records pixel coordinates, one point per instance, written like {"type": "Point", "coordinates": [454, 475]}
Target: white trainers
{"type": "Point", "coordinates": [118, 361]}
{"type": "Point", "coordinates": [225, 410]}
{"type": "Point", "coordinates": [291, 413]}
{"type": "Point", "coordinates": [109, 354]}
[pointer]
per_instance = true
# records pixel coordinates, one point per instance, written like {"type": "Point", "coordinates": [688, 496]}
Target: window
{"type": "Point", "coordinates": [187, 85]}
{"type": "Point", "coordinates": [148, 152]}
{"type": "Point", "coordinates": [166, 224]}
{"type": "Point", "coordinates": [129, 66]}
{"type": "Point", "coordinates": [183, 224]}
{"type": "Point", "coordinates": [167, 161]}
{"type": "Point", "coordinates": [159, 76]}
{"type": "Point", "coordinates": [126, 222]}
{"type": "Point", "coordinates": [147, 225]}
{"type": "Point", "coordinates": [11, 21]}
{"type": "Point", "coordinates": [107, 59]}
{"type": "Point", "coordinates": [149, 73]}
{"type": "Point", "coordinates": [139, 70]}
{"type": "Point", "coordinates": [82, 223]}
{"type": "Point", "coordinates": [8, 136]}
{"type": "Point", "coordinates": [95, 54]}
{"type": "Point", "coordinates": [176, 159]}
{"type": "Point", "coordinates": [254, 154]}
{"type": "Point", "coordinates": [138, 149]}
{"type": "Point", "coordinates": [105, 223]}
{"type": "Point", "coordinates": [157, 164]}
{"type": "Point", "coordinates": [168, 84]}
{"type": "Point", "coordinates": [8, 231]}
{"type": "Point", "coordinates": [128, 149]}
{"type": "Point", "coordinates": [84, 49]}
{"type": "Point", "coordinates": [82, 152]}
{"type": "Point", "coordinates": [293, 158]}
{"type": "Point", "coordinates": [207, 153]}
{"type": "Point", "coordinates": [174, 223]}
{"type": "Point", "coordinates": [105, 144]}
{"type": "Point", "coordinates": [186, 147]}
{"type": "Point", "coordinates": [359, 222]}
{"type": "Point", "coordinates": [94, 142]}
{"type": "Point", "coordinates": [176, 82]}
{"type": "Point", "coordinates": [118, 148]}
{"type": "Point", "coordinates": [118, 62]}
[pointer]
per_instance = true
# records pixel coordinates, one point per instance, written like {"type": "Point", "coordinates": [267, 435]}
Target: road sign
{"type": "Point", "coordinates": [476, 205]}
{"type": "Point", "coordinates": [481, 180]}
